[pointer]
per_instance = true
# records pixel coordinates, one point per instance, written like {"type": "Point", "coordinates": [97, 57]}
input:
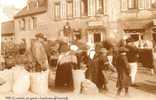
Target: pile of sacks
{"type": "Point", "coordinates": [6, 81]}
{"type": "Point", "coordinates": [89, 88]}
{"type": "Point", "coordinates": [83, 85]}
{"type": "Point", "coordinates": [20, 81]}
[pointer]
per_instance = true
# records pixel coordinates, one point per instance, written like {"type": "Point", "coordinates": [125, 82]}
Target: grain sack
{"type": "Point", "coordinates": [16, 70]}
{"type": "Point", "coordinates": [51, 78]}
{"type": "Point", "coordinates": [39, 82]}
{"type": "Point", "coordinates": [89, 88]}
{"type": "Point", "coordinates": [78, 77]}
{"type": "Point", "coordinates": [6, 81]}
{"type": "Point", "coordinates": [21, 83]}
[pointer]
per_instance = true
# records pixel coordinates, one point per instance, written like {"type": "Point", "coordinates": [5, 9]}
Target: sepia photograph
{"type": "Point", "coordinates": [77, 49]}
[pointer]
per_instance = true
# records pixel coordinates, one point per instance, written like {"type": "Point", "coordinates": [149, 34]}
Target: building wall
{"type": "Point", "coordinates": [114, 10]}
{"type": "Point", "coordinates": [143, 10]}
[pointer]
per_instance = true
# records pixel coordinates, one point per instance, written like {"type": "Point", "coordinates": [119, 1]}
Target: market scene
{"type": "Point", "coordinates": [80, 49]}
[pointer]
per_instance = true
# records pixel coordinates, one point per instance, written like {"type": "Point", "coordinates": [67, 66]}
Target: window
{"type": "Point", "coordinates": [76, 8]}
{"type": "Point", "coordinates": [57, 10]}
{"type": "Point", "coordinates": [34, 22]}
{"type": "Point", "coordinates": [63, 9]}
{"type": "Point", "coordinates": [22, 24]}
{"type": "Point", "coordinates": [77, 34]}
{"type": "Point", "coordinates": [99, 6]}
{"type": "Point", "coordinates": [141, 4]}
{"type": "Point", "coordinates": [132, 4]}
{"type": "Point", "coordinates": [147, 4]}
{"type": "Point", "coordinates": [84, 7]}
{"type": "Point", "coordinates": [91, 7]}
{"type": "Point", "coordinates": [153, 3]}
{"type": "Point", "coordinates": [69, 8]}
{"type": "Point", "coordinates": [124, 5]}
{"type": "Point", "coordinates": [29, 23]}
{"type": "Point", "coordinates": [97, 37]}
{"type": "Point", "coordinates": [137, 4]}
{"type": "Point", "coordinates": [32, 4]}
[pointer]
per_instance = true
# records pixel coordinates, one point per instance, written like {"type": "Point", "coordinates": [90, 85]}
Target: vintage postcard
{"type": "Point", "coordinates": [78, 50]}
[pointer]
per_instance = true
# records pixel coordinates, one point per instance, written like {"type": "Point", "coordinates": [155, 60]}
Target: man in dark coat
{"type": "Point", "coordinates": [96, 65]}
{"type": "Point", "coordinates": [120, 61]}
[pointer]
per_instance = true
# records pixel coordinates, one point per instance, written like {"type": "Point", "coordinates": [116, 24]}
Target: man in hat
{"type": "Point", "coordinates": [97, 63]}
{"type": "Point", "coordinates": [39, 55]}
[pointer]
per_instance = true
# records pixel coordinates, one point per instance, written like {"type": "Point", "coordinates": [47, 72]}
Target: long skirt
{"type": "Point", "coordinates": [64, 77]}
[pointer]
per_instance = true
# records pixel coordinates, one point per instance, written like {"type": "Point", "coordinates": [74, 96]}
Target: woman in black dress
{"type": "Point", "coordinates": [66, 62]}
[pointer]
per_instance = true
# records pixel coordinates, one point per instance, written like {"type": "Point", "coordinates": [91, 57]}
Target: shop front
{"type": "Point", "coordinates": [137, 29]}
{"type": "Point", "coordinates": [96, 32]}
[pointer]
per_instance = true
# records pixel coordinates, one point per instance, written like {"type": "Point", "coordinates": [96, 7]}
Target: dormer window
{"type": "Point", "coordinates": [31, 4]}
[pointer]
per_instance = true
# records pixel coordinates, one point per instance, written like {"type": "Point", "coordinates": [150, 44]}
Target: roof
{"type": "Point", "coordinates": [136, 24]}
{"type": "Point", "coordinates": [8, 28]}
{"type": "Point", "coordinates": [42, 8]}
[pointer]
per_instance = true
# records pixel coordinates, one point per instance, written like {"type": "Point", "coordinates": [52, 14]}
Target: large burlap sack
{"type": "Point", "coordinates": [21, 83]}
{"type": "Point", "coordinates": [78, 77]}
{"type": "Point", "coordinates": [39, 82]}
{"type": "Point", "coordinates": [89, 88]}
{"type": "Point", "coordinates": [6, 81]}
{"type": "Point", "coordinates": [16, 70]}
{"type": "Point", "coordinates": [51, 78]}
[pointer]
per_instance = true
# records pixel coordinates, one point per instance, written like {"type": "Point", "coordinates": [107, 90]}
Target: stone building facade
{"type": "Point", "coordinates": [90, 20]}
{"type": "Point", "coordinates": [7, 36]}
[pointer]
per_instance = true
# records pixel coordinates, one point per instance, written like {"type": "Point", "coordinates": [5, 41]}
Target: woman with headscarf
{"type": "Point", "coordinates": [66, 62]}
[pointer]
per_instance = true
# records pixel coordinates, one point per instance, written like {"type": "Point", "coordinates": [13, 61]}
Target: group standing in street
{"type": "Point", "coordinates": [94, 62]}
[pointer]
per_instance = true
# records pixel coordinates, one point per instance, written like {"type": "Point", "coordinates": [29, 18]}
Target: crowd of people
{"type": "Point", "coordinates": [95, 62]}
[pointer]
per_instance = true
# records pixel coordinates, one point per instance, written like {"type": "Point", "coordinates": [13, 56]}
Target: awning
{"type": "Point", "coordinates": [137, 25]}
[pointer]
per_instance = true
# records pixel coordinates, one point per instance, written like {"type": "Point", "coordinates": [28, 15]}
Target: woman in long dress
{"type": "Point", "coordinates": [66, 62]}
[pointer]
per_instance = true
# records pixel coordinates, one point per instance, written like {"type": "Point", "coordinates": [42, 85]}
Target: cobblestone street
{"type": "Point", "coordinates": [145, 89]}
